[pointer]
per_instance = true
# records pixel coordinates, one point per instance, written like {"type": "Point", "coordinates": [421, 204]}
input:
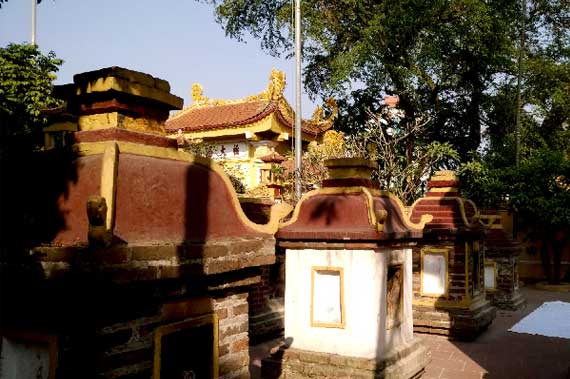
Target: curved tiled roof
{"type": "Point", "coordinates": [223, 116]}
{"type": "Point", "coordinates": [218, 116]}
{"type": "Point", "coordinates": [450, 211]}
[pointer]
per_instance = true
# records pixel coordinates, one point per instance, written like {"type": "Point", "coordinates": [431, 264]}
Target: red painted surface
{"type": "Point", "coordinates": [125, 107]}
{"type": "Point", "coordinates": [234, 115]}
{"type": "Point", "coordinates": [116, 134]}
{"type": "Point", "coordinates": [345, 217]}
{"type": "Point", "coordinates": [73, 204]}
{"type": "Point", "coordinates": [164, 200]}
{"type": "Point", "coordinates": [443, 183]}
{"type": "Point", "coordinates": [446, 213]}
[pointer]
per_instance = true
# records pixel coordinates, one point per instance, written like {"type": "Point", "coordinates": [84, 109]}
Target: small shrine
{"type": "Point", "coordinates": [501, 264]}
{"type": "Point", "coordinates": [243, 131]}
{"type": "Point", "coordinates": [126, 257]}
{"type": "Point", "coordinates": [449, 291]}
{"type": "Point", "coordinates": [348, 292]}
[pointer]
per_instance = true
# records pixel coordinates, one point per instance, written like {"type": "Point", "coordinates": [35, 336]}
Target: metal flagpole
{"type": "Point", "coordinates": [34, 6]}
{"type": "Point", "coordinates": [519, 75]}
{"type": "Point", "coordinates": [298, 141]}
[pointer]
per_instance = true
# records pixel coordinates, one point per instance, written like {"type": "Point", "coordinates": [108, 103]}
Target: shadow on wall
{"type": "Point", "coordinates": [81, 299]}
{"type": "Point", "coordinates": [32, 186]}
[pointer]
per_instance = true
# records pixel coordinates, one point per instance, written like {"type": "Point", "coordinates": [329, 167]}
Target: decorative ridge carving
{"type": "Point", "coordinates": [273, 92]}
{"type": "Point", "coordinates": [273, 95]}
{"type": "Point", "coordinates": [318, 115]}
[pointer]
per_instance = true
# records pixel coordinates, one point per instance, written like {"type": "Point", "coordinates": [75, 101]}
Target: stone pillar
{"type": "Point", "coordinates": [115, 97]}
{"type": "Point", "coordinates": [348, 311]}
{"type": "Point", "coordinates": [449, 293]}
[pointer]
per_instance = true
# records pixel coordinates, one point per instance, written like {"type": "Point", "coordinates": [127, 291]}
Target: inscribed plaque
{"type": "Point", "coordinates": [327, 297]}
{"type": "Point", "coordinates": [434, 274]}
{"type": "Point", "coordinates": [490, 280]}
{"type": "Point", "coordinates": [25, 359]}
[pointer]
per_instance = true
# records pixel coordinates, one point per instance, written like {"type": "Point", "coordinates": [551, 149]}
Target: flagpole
{"type": "Point", "coordinates": [34, 6]}
{"type": "Point", "coordinates": [298, 136]}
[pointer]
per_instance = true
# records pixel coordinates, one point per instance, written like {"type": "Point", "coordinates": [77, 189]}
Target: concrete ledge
{"type": "Point", "coordinates": [544, 286]}
{"type": "Point", "coordinates": [151, 262]}
{"type": "Point", "coordinates": [267, 325]}
{"type": "Point", "coordinates": [407, 362]}
{"type": "Point", "coordinates": [463, 324]}
{"type": "Point", "coordinates": [509, 302]}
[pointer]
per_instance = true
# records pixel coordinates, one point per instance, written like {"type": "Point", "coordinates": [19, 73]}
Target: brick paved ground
{"type": "Point", "coordinates": [497, 353]}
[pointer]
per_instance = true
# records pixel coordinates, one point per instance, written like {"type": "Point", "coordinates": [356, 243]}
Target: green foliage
{"type": "Point", "coordinates": [199, 148]}
{"type": "Point", "coordinates": [405, 157]}
{"type": "Point", "coordinates": [236, 182]}
{"type": "Point", "coordinates": [26, 77]}
{"type": "Point", "coordinates": [482, 184]}
{"type": "Point", "coordinates": [454, 61]}
{"type": "Point", "coordinates": [538, 190]}
{"type": "Point", "coordinates": [439, 56]}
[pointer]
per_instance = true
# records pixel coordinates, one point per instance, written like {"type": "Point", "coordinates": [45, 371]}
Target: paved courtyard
{"type": "Point", "coordinates": [497, 353]}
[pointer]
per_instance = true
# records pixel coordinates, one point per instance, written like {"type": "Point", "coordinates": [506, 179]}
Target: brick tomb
{"type": "Point", "coordinates": [348, 292]}
{"type": "Point", "coordinates": [448, 264]}
{"type": "Point", "coordinates": [127, 258]}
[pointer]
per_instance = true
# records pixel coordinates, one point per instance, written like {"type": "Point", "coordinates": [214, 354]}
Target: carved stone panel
{"type": "Point", "coordinates": [394, 296]}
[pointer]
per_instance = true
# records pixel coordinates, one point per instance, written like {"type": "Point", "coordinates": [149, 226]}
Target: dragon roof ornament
{"type": "Point", "coordinates": [272, 93]}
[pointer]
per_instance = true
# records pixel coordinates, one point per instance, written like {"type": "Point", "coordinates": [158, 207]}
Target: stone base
{"type": "Point", "coordinates": [267, 325]}
{"type": "Point", "coordinates": [404, 363]}
{"type": "Point", "coordinates": [465, 324]}
{"type": "Point", "coordinates": [507, 301]}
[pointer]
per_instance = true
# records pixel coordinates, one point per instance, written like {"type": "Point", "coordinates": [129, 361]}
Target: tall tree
{"type": "Point", "coordinates": [26, 77]}
{"type": "Point", "coordinates": [439, 56]}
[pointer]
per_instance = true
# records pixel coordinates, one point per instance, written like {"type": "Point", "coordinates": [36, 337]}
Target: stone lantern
{"type": "Point", "coordinates": [449, 295]}
{"type": "Point", "coordinates": [348, 286]}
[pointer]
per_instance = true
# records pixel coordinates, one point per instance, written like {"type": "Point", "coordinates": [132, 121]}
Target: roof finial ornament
{"type": "Point", "coordinates": [319, 114]}
{"type": "Point", "coordinates": [276, 84]}
{"type": "Point", "coordinates": [198, 94]}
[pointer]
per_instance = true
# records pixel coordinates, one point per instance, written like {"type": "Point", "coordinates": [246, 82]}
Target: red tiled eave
{"type": "Point", "coordinates": [219, 116]}
{"type": "Point", "coordinates": [215, 117]}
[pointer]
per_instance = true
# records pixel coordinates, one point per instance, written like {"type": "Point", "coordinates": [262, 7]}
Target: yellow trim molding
{"type": "Point", "coordinates": [461, 201]}
{"type": "Point", "coordinates": [342, 323]}
{"type": "Point", "coordinates": [179, 326]}
{"type": "Point", "coordinates": [109, 181]}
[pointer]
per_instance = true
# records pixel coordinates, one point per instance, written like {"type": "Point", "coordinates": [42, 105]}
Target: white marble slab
{"type": "Point", "coordinates": [434, 275]}
{"type": "Point", "coordinates": [490, 280]}
{"type": "Point", "coordinates": [327, 297]}
{"type": "Point", "coordinates": [551, 319]}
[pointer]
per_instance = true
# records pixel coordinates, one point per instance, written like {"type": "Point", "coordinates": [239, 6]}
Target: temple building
{"type": "Point", "coordinates": [244, 131]}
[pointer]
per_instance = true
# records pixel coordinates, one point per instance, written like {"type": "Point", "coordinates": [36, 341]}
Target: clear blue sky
{"type": "Point", "coordinates": [176, 40]}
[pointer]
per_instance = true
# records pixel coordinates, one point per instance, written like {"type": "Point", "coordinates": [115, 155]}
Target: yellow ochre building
{"type": "Point", "coordinates": [245, 131]}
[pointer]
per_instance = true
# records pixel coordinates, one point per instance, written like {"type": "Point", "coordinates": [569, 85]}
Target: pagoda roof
{"type": "Point", "coordinates": [451, 212]}
{"type": "Point", "coordinates": [212, 114]}
{"type": "Point", "coordinates": [273, 157]}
